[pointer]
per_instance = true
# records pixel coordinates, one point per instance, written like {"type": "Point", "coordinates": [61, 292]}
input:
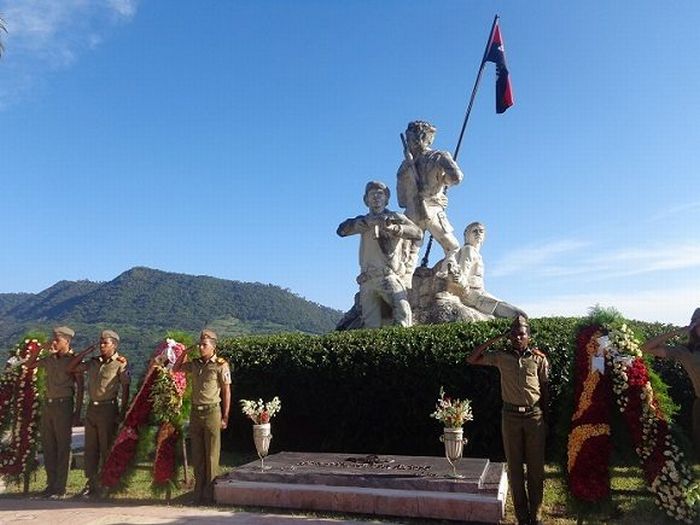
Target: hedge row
{"type": "Point", "coordinates": [371, 391]}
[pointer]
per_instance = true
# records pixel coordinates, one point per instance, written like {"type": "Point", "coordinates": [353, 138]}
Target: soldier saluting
{"type": "Point", "coordinates": [60, 412]}
{"type": "Point", "coordinates": [107, 374]}
{"type": "Point", "coordinates": [524, 389]}
{"type": "Point", "coordinates": [211, 388]}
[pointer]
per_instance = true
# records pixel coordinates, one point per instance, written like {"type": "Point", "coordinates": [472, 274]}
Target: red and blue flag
{"type": "Point", "coordinates": [496, 53]}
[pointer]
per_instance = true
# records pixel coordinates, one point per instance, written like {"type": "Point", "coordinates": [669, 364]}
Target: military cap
{"type": "Point", "coordinates": [518, 321]}
{"type": "Point", "coordinates": [64, 331]}
{"type": "Point", "coordinates": [208, 334]}
{"type": "Point", "coordinates": [109, 333]}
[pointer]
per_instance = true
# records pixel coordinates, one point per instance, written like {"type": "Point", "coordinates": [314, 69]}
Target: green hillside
{"type": "Point", "coordinates": [142, 304]}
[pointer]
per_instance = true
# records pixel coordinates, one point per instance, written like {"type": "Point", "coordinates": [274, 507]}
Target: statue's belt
{"type": "Point", "coordinates": [373, 274]}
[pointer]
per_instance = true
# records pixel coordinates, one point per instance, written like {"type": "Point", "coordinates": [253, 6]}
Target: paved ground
{"type": "Point", "coordinates": [19, 511]}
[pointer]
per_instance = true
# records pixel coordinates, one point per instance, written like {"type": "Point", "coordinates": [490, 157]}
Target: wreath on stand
{"type": "Point", "coordinates": [158, 402]}
{"type": "Point", "coordinates": [19, 413]}
{"type": "Point", "coordinates": [610, 371]}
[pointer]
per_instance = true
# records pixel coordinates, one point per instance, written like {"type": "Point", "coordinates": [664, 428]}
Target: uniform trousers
{"type": "Point", "coordinates": [205, 442]}
{"type": "Point", "coordinates": [524, 442]}
{"type": "Point", "coordinates": [101, 423]}
{"type": "Point", "coordinates": [56, 434]}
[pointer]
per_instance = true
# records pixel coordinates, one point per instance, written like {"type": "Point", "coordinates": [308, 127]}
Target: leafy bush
{"type": "Point", "coordinates": [372, 391]}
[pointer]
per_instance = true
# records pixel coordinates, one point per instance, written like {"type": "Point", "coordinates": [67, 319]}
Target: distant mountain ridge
{"type": "Point", "coordinates": [143, 303]}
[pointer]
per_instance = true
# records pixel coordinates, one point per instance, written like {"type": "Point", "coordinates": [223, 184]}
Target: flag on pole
{"type": "Point", "coordinates": [496, 53]}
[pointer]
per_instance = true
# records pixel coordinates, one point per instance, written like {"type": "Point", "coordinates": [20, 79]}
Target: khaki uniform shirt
{"type": "Point", "coordinates": [59, 383]}
{"type": "Point", "coordinates": [521, 374]}
{"type": "Point", "coordinates": [689, 360]}
{"type": "Point", "coordinates": [106, 376]}
{"type": "Point", "coordinates": [208, 378]}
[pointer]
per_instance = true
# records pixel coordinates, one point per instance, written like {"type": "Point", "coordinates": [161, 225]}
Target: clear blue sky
{"type": "Point", "coordinates": [230, 139]}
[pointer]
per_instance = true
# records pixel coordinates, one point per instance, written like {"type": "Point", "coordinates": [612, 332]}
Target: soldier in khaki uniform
{"type": "Point", "coordinates": [107, 374]}
{"type": "Point", "coordinates": [524, 389]}
{"type": "Point", "coordinates": [58, 416]}
{"type": "Point", "coordinates": [210, 377]}
{"type": "Point", "coordinates": [688, 355]}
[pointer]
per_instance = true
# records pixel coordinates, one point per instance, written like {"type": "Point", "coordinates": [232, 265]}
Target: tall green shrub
{"type": "Point", "coordinates": [371, 391]}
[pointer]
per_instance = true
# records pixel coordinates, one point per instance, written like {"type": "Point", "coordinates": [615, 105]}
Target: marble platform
{"type": "Point", "coordinates": [408, 486]}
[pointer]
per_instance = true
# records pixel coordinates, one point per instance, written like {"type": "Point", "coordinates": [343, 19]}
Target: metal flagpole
{"type": "Point", "coordinates": [476, 87]}
{"type": "Point", "coordinates": [424, 261]}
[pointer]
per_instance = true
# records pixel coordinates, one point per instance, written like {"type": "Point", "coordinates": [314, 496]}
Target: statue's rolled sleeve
{"type": "Point", "coordinates": [352, 226]}
{"type": "Point", "coordinates": [453, 175]}
{"type": "Point", "coordinates": [409, 229]}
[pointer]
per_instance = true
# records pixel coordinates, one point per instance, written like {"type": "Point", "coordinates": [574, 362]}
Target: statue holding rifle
{"type": "Point", "coordinates": [383, 298]}
{"type": "Point", "coordinates": [422, 182]}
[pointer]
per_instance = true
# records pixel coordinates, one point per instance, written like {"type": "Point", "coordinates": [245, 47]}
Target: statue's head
{"type": "Point", "coordinates": [420, 132]}
{"type": "Point", "coordinates": [373, 191]}
{"type": "Point", "coordinates": [474, 234]}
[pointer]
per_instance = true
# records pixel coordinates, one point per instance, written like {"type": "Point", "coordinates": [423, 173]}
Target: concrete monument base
{"type": "Point", "coordinates": [410, 486]}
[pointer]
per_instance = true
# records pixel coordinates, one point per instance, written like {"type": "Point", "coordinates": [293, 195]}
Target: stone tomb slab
{"type": "Point", "coordinates": [408, 486]}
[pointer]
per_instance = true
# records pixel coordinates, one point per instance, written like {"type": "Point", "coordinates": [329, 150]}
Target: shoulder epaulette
{"type": "Point", "coordinates": [538, 352]}
{"type": "Point", "coordinates": [121, 359]}
{"type": "Point", "coordinates": [220, 361]}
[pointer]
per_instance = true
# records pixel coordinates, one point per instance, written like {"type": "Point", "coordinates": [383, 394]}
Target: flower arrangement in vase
{"type": "Point", "coordinates": [260, 413]}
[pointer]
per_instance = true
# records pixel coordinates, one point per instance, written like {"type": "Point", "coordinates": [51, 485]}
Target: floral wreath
{"type": "Point", "coordinates": [609, 365]}
{"type": "Point", "coordinates": [158, 401]}
{"type": "Point", "coordinates": [19, 411]}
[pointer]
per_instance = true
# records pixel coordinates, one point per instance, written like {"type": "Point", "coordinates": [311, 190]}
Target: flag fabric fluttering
{"type": "Point", "coordinates": [496, 53]}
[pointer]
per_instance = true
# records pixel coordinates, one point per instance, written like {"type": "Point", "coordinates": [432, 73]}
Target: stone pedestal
{"type": "Point", "coordinates": [409, 486]}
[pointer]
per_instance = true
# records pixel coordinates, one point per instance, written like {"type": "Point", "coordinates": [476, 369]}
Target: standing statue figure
{"type": "Point", "coordinates": [469, 277]}
{"type": "Point", "coordinates": [422, 181]}
{"type": "Point", "coordinates": [382, 262]}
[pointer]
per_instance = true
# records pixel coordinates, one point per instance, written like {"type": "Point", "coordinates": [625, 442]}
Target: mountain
{"type": "Point", "coordinates": [142, 304]}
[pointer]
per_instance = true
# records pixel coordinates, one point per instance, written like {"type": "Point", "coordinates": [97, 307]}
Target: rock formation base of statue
{"type": "Point", "coordinates": [435, 300]}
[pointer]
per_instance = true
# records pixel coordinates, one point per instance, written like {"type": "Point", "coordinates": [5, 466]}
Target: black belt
{"type": "Point", "coordinates": [520, 409]}
{"type": "Point", "coordinates": [58, 399]}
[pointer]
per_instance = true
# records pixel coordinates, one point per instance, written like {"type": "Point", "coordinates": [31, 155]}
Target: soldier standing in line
{"type": "Point", "coordinates": [688, 355]}
{"type": "Point", "coordinates": [106, 374]}
{"type": "Point", "coordinates": [211, 388]}
{"type": "Point", "coordinates": [524, 389]}
{"type": "Point", "coordinates": [58, 415]}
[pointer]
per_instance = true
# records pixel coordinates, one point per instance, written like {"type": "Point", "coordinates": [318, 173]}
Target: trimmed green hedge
{"type": "Point", "coordinates": [371, 391]}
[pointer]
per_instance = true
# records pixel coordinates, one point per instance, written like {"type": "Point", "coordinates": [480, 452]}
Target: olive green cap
{"type": "Point", "coordinates": [64, 331]}
{"type": "Point", "coordinates": [109, 333]}
{"type": "Point", "coordinates": [208, 334]}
